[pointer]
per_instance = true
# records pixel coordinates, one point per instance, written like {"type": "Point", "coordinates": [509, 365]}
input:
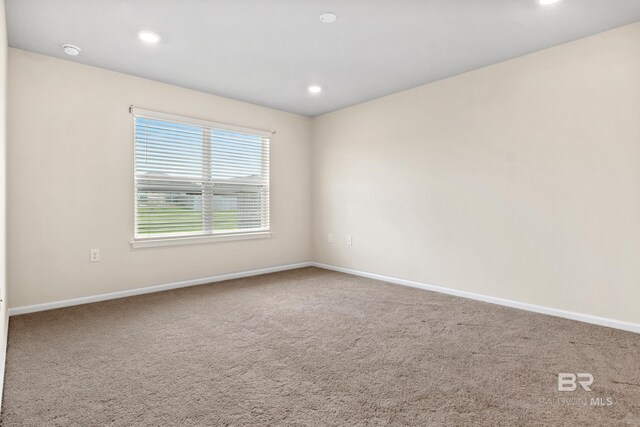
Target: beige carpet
{"type": "Point", "coordinates": [311, 347]}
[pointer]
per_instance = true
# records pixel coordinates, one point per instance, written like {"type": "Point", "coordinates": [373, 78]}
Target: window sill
{"type": "Point", "coordinates": [173, 241]}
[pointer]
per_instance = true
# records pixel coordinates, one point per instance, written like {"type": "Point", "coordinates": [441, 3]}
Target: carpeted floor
{"type": "Point", "coordinates": [312, 347]}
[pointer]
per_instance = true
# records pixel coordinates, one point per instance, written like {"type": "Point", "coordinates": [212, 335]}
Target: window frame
{"type": "Point", "coordinates": [173, 239]}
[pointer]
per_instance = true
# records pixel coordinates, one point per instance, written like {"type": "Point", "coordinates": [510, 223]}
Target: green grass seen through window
{"type": "Point", "coordinates": [183, 220]}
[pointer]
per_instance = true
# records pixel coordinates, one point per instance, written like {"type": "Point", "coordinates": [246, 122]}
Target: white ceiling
{"type": "Point", "coordinates": [268, 51]}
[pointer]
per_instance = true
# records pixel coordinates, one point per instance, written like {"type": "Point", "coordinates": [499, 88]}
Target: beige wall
{"type": "Point", "coordinates": [70, 177]}
{"type": "Point", "coordinates": [520, 180]}
{"type": "Point", "coordinates": [3, 284]}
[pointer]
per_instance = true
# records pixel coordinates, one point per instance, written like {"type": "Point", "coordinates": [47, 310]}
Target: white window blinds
{"type": "Point", "coordinates": [197, 178]}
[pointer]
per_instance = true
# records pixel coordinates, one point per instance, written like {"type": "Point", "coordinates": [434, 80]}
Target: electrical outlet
{"type": "Point", "coordinates": [330, 238]}
{"type": "Point", "coordinates": [349, 240]}
{"type": "Point", "coordinates": [94, 255]}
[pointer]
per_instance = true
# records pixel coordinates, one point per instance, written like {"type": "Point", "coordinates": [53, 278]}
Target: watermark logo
{"type": "Point", "coordinates": [567, 381]}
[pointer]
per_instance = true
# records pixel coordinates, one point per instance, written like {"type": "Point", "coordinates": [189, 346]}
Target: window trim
{"type": "Point", "coordinates": [193, 240]}
{"type": "Point", "coordinates": [148, 114]}
{"type": "Point", "coordinates": [203, 238]}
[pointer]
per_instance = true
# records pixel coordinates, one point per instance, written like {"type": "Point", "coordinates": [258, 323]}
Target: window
{"type": "Point", "coordinates": [197, 179]}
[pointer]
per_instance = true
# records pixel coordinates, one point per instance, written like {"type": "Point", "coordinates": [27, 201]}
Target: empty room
{"type": "Point", "coordinates": [319, 212]}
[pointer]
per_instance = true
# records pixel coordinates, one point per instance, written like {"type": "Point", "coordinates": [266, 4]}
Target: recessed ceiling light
{"type": "Point", "coordinates": [315, 89]}
{"type": "Point", "coordinates": [547, 2]}
{"type": "Point", "coordinates": [70, 49]}
{"type": "Point", "coordinates": [328, 17]}
{"type": "Point", "coordinates": [149, 37]}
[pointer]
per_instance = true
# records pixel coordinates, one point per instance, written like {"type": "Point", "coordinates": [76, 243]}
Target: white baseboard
{"type": "Point", "coordinates": [149, 289]}
{"type": "Point", "coordinates": [587, 318]}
